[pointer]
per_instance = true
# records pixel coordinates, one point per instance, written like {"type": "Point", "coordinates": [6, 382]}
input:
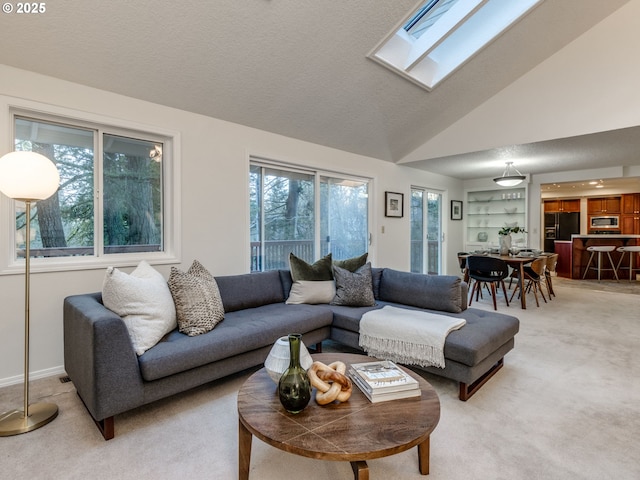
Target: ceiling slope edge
{"type": "Point", "coordinates": [562, 97]}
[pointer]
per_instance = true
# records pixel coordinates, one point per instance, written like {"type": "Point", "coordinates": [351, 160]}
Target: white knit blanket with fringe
{"type": "Point", "coordinates": [407, 336]}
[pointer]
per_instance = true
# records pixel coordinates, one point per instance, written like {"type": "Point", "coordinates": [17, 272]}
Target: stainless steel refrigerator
{"type": "Point", "coordinates": [559, 226]}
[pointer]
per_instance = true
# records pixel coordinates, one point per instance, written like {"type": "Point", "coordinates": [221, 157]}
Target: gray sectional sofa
{"type": "Point", "coordinates": [111, 379]}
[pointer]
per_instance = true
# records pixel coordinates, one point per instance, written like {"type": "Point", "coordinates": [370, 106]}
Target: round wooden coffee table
{"type": "Point", "coordinates": [353, 431]}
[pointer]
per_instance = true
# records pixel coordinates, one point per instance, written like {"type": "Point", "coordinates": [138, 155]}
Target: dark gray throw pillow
{"type": "Point", "coordinates": [301, 270]}
{"type": "Point", "coordinates": [433, 292]}
{"type": "Point", "coordinates": [352, 264]}
{"type": "Point", "coordinates": [353, 289]}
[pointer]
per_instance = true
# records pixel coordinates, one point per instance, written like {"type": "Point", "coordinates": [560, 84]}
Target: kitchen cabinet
{"type": "Point", "coordinates": [630, 224]}
{"type": "Point", "coordinates": [603, 205]}
{"type": "Point", "coordinates": [563, 249]}
{"type": "Point", "coordinates": [631, 203]}
{"type": "Point", "coordinates": [490, 210]}
{"type": "Point", "coordinates": [562, 205]}
{"type": "Point", "coordinates": [551, 206]}
{"type": "Point", "coordinates": [630, 218]}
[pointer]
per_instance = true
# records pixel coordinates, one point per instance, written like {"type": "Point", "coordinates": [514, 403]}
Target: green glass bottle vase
{"type": "Point", "coordinates": [294, 387]}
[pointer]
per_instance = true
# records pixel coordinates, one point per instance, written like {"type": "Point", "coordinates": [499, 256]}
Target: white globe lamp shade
{"type": "Point", "coordinates": [28, 176]}
{"type": "Point", "coordinates": [278, 359]}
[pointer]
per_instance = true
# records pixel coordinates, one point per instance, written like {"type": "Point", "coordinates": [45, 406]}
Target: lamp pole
{"type": "Point", "coordinates": [27, 289]}
{"type": "Point", "coordinates": [27, 177]}
{"type": "Point", "coordinates": [39, 414]}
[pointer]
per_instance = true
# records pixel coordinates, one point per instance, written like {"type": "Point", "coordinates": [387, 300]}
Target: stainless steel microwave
{"type": "Point", "coordinates": [609, 221]}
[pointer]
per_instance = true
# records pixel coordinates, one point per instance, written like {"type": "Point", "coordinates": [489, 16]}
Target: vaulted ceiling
{"type": "Point", "coordinates": [291, 67]}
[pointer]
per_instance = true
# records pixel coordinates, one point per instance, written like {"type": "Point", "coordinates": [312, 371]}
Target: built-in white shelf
{"type": "Point", "coordinates": [488, 211]}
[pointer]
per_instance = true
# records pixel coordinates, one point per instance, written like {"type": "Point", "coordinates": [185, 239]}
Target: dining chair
{"type": "Point", "coordinates": [487, 271]}
{"type": "Point", "coordinates": [552, 263]}
{"type": "Point", "coordinates": [515, 273]}
{"type": "Point", "coordinates": [462, 261]}
{"type": "Point", "coordinates": [534, 276]}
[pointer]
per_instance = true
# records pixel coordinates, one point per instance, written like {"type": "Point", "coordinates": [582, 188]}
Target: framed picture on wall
{"type": "Point", "coordinates": [456, 210]}
{"type": "Point", "coordinates": [394, 204]}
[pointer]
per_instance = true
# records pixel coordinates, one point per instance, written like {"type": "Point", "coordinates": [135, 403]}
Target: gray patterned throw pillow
{"type": "Point", "coordinates": [353, 289]}
{"type": "Point", "coordinates": [197, 299]}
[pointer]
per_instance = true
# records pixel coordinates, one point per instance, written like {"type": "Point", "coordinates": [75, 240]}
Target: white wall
{"type": "Point", "coordinates": [214, 206]}
{"type": "Point", "coordinates": [589, 86]}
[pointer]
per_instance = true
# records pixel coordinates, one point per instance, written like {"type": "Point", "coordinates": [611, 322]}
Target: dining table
{"type": "Point", "coordinates": [517, 262]}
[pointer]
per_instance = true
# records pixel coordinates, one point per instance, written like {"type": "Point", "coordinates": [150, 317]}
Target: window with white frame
{"type": "Point", "coordinates": [112, 204]}
{"type": "Point", "coordinates": [305, 212]}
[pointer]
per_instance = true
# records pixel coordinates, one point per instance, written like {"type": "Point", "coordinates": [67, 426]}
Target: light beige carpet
{"type": "Point", "coordinates": [566, 405]}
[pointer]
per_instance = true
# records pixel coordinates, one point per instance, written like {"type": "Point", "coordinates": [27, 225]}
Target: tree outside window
{"type": "Point", "coordinates": [125, 203]}
{"type": "Point", "coordinates": [285, 216]}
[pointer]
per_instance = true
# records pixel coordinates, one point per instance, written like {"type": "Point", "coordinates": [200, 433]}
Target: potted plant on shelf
{"type": "Point", "coordinates": [504, 238]}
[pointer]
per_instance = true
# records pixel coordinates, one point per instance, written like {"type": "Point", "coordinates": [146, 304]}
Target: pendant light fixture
{"type": "Point", "coordinates": [511, 176]}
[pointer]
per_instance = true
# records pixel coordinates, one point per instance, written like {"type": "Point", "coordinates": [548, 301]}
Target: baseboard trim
{"type": "Point", "coordinates": [47, 372]}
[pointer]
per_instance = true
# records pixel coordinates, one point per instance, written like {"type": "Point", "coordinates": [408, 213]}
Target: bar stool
{"type": "Point", "coordinates": [600, 249]}
{"type": "Point", "coordinates": [632, 250]}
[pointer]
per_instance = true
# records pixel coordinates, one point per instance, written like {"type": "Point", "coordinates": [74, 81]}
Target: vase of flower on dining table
{"type": "Point", "coordinates": [504, 244]}
{"type": "Point", "coordinates": [504, 238]}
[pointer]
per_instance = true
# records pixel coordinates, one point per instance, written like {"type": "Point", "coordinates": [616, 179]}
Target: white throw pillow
{"type": "Point", "coordinates": [144, 302]}
{"type": "Point", "coordinates": [312, 292]}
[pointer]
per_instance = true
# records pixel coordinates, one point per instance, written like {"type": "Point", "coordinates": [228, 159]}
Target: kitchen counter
{"type": "Point", "coordinates": [580, 255]}
{"type": "Point", "coordinates": [563, 249]}
{"type": "Point", "coordinates": [605, 236]}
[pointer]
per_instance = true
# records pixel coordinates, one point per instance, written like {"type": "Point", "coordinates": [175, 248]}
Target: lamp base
{"type": "Point", "coordinates": [14, 422]}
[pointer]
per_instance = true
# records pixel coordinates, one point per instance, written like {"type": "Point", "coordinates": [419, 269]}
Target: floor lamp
{"type": "Point", "coordinates": [27, 177]}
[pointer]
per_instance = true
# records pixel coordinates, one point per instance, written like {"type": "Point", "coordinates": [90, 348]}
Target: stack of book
{"type": "Point", "coordinates": [383, 380]}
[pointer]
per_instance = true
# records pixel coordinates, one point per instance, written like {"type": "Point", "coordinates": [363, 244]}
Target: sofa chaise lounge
{"type": "Point", "coordinates": [111, 379]}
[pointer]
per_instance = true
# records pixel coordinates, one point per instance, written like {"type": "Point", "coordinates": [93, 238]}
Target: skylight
{"type": "Point", "coordinates": [441, 35]}
{"type": "Point", "coordinates": [427, 16]}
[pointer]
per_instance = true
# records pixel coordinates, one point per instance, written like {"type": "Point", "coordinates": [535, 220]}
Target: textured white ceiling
{"type": "Point", "coordinates": [292, 67]}
{"type": "Point", "coordinates": [583, 152]}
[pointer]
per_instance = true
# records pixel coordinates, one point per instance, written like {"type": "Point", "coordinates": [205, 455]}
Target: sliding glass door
{"type": "Point", "coordinates": [282, 217]}
{"type": "Point", "coordinates": [426, 231]}
{"type": "Point", "coordinates": [307, 213]}
{"type": "Point", "coordinates": [344, 206]}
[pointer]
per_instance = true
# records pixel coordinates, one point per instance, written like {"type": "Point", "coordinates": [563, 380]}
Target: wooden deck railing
{"type": "Point", "coordinates": [417, 258]}
{"type": "Point", "coordinates": [85, 251]}
{"type": "Point", "coordinates": [276, 253]}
